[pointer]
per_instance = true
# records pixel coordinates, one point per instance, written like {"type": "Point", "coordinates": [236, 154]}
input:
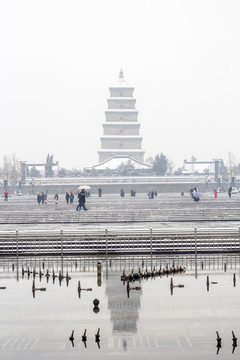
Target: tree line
{"type": "Point", "coordinates": [160, 165]}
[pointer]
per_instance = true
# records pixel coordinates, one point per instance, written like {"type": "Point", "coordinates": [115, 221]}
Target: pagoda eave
{"type": "Point", "coordinates": [122, 98]}
{"type": "Point", "coordinates": [119, 87]}
{"type": "Point", "coordinates": [139, 151]}
{"type": "Point", "coordinates": [122, 137]}
{"type": "Point", "coordinates": [117, 123]}
{"type": "Point", "coordinates": [131, 111]}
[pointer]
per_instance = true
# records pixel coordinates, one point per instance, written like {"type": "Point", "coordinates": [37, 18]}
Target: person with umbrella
{"type": "Point", "coordinates": [197, 195]}
{"type": "Point", "coordinates": [81, 199]}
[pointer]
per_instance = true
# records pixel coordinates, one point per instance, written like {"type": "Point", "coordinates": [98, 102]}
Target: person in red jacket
{"type": "Point", "coordinates": [5, 195]}
{"type": "Point", "coordinates": [215, 194]}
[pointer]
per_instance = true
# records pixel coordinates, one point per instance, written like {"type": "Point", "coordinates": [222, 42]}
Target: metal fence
{"type": "Point", "coordinates": [127, 241]}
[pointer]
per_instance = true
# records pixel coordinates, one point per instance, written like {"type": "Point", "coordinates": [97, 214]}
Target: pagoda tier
{"type": "Point", "coordinates": [121, 142]}
{"type": "Point", "coordinates": [121, 128]}
{"type": "Point", "coordinates": [117, 128]}
{"type": "Point", "coordinates": [121, 103]}
{"type": "Point", "coordinates": [121, 115]}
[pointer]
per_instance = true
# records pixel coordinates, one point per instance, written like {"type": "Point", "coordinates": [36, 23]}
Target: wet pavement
{"type": "Point", "coordinates": [152, 322]}
{"type": "Point", "coordinates": [167, 210]}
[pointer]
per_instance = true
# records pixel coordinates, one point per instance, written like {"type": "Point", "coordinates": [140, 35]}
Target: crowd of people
{"type": "Point", "coordinates": [69, 197]}
{"type": "Point", "coordinates": [151, 194]}
{"type": "Point", "coordinates": [42, 198]}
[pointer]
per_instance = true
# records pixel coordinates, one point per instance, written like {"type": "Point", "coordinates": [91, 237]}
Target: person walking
{"type": "Point", "coordinates": [99, 192]}
{"type": "Point", "coordinates": [81, 200]}
{"type": "Point", "coordinates": [230, 192]}
{"type": "Point", "coordinates": [43, 198]}
{"type": "Point", "coordinates": [39, 198]}
{"type": "Point", "coordinates": [67, 196]}
{"type": "Point", "coordinates": [191, 192]}
{"type": "Point", "coordinates": [5, 195]}
{"type": "Point", "coordinates": [56, 199]}
{"type": "Point", "coordinates": [71, 197]}
{"type": "Point", "coordinates": [122, 193]}
{"type": "Point", "coordinates": [215, 194]}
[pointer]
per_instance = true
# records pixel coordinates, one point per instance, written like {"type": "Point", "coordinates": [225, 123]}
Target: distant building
{"type": "Point", "coordinates": [121, 128]}
{"type": "Point", "coordinates": [121, 142]}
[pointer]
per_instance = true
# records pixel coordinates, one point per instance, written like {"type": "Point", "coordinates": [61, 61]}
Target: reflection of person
{"type": "Point", "coordinates": [81, 200]}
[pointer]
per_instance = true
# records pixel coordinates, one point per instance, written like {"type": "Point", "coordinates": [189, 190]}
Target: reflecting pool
{"type": "Point", "coordinates": [152, 321]}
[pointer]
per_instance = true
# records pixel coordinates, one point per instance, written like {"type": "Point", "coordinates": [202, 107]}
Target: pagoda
{"type": "Point", "coordinates": [121, 137]}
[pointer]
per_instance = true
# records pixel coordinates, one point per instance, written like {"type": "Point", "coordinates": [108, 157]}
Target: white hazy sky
{"type": "Point", "coordinates": [59, 57]}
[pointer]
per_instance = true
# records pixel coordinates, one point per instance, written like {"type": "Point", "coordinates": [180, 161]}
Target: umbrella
{"type": "Point", "coordinates": [197, 194]}
{"type": "Point", "coordinates": [84, 187]}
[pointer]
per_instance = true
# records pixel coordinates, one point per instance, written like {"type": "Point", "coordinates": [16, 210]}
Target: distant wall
{"type": "Point", "coordinates": [115, 188]}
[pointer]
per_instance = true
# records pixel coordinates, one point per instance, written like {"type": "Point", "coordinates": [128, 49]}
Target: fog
{"type": "Point", "coordinates": [58, 59]}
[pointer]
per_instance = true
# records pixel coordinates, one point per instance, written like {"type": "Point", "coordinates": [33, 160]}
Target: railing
{"type": "Point", "coordinates": [127, 241]}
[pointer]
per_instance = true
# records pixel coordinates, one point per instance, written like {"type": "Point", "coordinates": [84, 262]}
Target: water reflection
{"type": "Point", "coordinates": [124, 310]}
{"type": "Point", "coordinates": [72, 338]}
{"type": "Point", "coordinates": [219, 343]}
{"type": "Point", "coordinates": [158, 318]}
{"type": "Point", "coordinates": [84, 338]}
{"type": "Point", "coordinates": [234, 342]}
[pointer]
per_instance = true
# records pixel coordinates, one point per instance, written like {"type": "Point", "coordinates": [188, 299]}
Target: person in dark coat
{"type": "Point", "coordinates": [71, 197]}
{"type": "Point", "coordinates": [81, 200]}
{"type": "Point", "coordinates": [122, 193]}
{"type": "Point", "coordinates": [39, 198]}
{"type": "Point", "coordinates": [67, 196]}
{"type": "Point", "coordinates": [191, 192]}
{"type": "Point", "coordinates": [43, 198]}
{"type": "Point", "coordinates": [99, 192]}
{"type": "Point", "coordinates": [56, 198]}
{"type": "Point", "coordinates": [230, 191]}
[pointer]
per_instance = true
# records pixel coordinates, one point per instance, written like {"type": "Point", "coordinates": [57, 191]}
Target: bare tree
{"type": "Point", "coordinates": [170, 167]}
{"type": "Point", "coordinates": [11, 169]}
{"type": "Point", "coordinates": [231, 164]}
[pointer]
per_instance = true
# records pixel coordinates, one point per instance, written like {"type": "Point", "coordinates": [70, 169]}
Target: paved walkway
{"type": "Point", "coordinates": [112, 211]}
